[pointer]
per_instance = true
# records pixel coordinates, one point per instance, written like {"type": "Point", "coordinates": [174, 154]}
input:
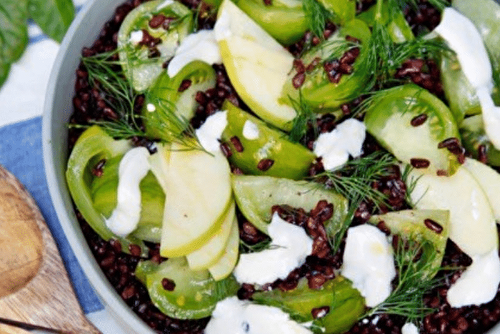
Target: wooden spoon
{"type": "Point", "coordinates": [34, 285]}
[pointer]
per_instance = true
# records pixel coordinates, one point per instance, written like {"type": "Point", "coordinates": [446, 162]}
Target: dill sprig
{"type": "Point", "coordinates": [354, 181]}
{"type": "Point", "coordinates": [106, 74]}
{"type": "Point", "coordinates": [412, 282]}
{"type": "Point", "coordinates": [305, 118]}
{"type": "Point", "coordinates": [258, 247]}
{"type": "Point", "coordinates": [411, 183]}
{"type": "Point", "coordinates": [317, 17]}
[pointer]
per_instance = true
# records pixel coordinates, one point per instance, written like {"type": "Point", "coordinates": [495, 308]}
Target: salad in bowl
{"type": "Point", "coordinates": [294, 166]}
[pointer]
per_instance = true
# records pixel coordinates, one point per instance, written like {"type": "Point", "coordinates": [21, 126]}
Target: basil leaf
{"type": "Point", "coordinates": [13, 31]}
{"type": "Point", "coordinates": [53, 16]}
{"type": "Point", "coordinates": [4, 72]}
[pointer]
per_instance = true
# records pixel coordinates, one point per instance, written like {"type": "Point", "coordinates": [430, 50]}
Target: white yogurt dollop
{"type": "Point", "coordinates": [133, 168]}
{"type": "Point", "coordinates": [369, 263]}
{"type": "Point", "coordinates": [211, 131]}
{"type": "Point", "coordinates": [197, 46]}
{"type": "Point", "coordinates": [290, 247]}
{"type": "Point", "coordinates": [478, 283]}
{"type": "Point", "coordinates": [409, 328]}
{"type": "Point", "coordinates": [336, 146]}
{"type": "Point", "coordinates": [250, 130]}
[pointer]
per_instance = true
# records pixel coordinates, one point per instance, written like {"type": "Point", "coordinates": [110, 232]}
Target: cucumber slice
{"type": "Point", "coordinates": [389, 116]}
{"type": "Point", "coordinates": [208, 254]}
{"type": "Point", "coordinates": [224, 267]}
{"type": "Point", "coordinates": [166, 108]}
{"type": "Point", "coordinates": [474, 135]}
{"type": "Point", "coordinates": [140, 69]}
{"type": "Point", "coordinates": [256, 195]}
{"type": "Point", "coordinates": [411, 224]}
{"type": "Point", "coordinates": [195, 293]}
{"type": "Point", "coordinates": [289, 159]}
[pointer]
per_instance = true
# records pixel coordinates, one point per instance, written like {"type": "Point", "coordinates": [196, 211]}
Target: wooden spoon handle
{"type": "Point", "coordinates": [45, 297]}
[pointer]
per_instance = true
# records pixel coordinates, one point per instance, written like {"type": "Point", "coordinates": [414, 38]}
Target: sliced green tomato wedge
{"type": "Point", "coordinates": [389, 116]}
{"type": "Point", "coordinates": [411, 224]}
{"type": "Point", "coordinates": [289, 159]}
{"type": "Point", "coordinates": [195, 293]}
{"type": "Point", "coordinates": [474, 137]}
{"type": "Point", "coordinates": [256, 195]}
{"type": "Point", "coordinates": [91, 147]}
{"type": "Point", "coordinates": [104, 193]}
{"type": "Point", "coordinates": [166, 109]}
{"type": "Point", "coordinates": [140, 69]}
{"type": "Point", "coordinates": [256, 64]}
{"type": "Point", "coordinates": [211, 252]}
{"type": "Point", "coordinates": [224, 267]}
{"type": "Point", "coordinates": [317, 90]}
{"type": "Point", "coordinates": [198, 185]}
{"type": "Point", "coordinates": [345, 303]}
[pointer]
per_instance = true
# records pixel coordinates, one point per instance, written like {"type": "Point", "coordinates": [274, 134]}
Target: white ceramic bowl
{"type": "Point", "coordinates": [58, 109]}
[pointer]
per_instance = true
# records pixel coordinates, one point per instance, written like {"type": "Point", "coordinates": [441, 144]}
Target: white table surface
{"type": "Point", "coordinates": [28, 78]}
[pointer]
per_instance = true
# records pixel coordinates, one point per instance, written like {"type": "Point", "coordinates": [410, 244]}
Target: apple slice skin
{"type": "Point", "coordinates": [199, 195]}
{"type": "Point", "coordinates": [256, 64]}
{"type": "Point", "coordinates": [224, 267]}
{"type": "Point", "coordinates": [472, 224]}
{"type": "Point", "coordinates": [290, 160]}
{"type": "Point", "coordinates": [208, 254]}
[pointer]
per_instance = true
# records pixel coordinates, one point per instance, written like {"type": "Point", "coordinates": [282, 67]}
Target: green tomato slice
{"type": "Point", "coordinates": [289, 160]}
{"type": "Point", "coordinates": [141, 69]}
{"type": "Point", "coordinates": [105, 191]}
{"type": "Point", "coordinates": [168, 107]}
{"type": "Point", "coordinates": [389, 119]}
{"type": "Point", "coordinates": [345, 303]}
{"type": "Point", "coordinates": [474, 136]}
{"type": "Point", "coordinates": [91, 147]}
{"type": "Point", "coordinates": [411, 224]}
{"type": "Point", "coordinates": [195, 293]}
{"type": "Point", "coordinates": [256, 195]}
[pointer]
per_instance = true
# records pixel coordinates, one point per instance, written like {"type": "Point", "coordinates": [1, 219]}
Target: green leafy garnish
{"type": "Point", "coordinates": [317, 16]}
{"type": "Point", "coordinates": [354, 181]}
{"type": "Point", "coordinates": [412, 283]}
{"type": "Point", "coordinates": [305, 118]}
{"type": "Point", "coordinates": [258, 247]}
{"type": "Point", "coordinates": [53, 17]}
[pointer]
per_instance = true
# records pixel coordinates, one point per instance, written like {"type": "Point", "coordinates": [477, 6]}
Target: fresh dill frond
{"type": "Point", "coordinates": [317, 17]}
{"type": "Point", "coordinates": [412, 282]}
{"type": "Point", "coordinates": [354, 181]}
{"type": "Point", "coordinates": [411, 183]}
{"type": "Point", "coordinates": [258, 247]}
{"type": "Point", "coordinates": [305, 119]}
{"type": "Point", "coordinates": [106, 74]}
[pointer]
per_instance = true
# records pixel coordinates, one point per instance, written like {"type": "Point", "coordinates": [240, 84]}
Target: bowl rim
{"type": "Point", "coordinates": [57, 190]}
{"type": "Point", "coordinates": [108, 295]}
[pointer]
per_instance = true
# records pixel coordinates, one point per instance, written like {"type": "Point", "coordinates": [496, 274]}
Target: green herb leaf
{"type": "Point", "coordinates": [304, 119]}
{"type": "Point", "coordinates": [4, 71]}
{"type": "Point", "coordinates": [317, 16]}
{"type": "Point", "coordinates": [52, 16]}
{"type": "Point", "coordinates": [13, 30]}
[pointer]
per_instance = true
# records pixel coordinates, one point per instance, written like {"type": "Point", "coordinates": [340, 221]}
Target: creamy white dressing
{"type": "Point", "coordinates": [211, 131]}
{"type": "Point", "coordinates": [136, 37]}
{"type": "Point", "coordinates": [409, 328]}
{"type": "Point", "coordinates": [463, 38]}
{"type": "Point", "coordinates": [290, 247]}
{"type": "Point", "coordinates": [150, 107]}
{"type": "Point", "coordinates": [133, 168]}
{"type": "Point", "coordinates": [197, 46]}
{"type": "Point", "coordinates": [369, 263]}
{"type": "Point", "coordinates": [234, 316]}
{"type": "Point", "coordinates": [250, 130]}
{"type": "Point", "coordinates": [336, 146]}
{"type": "Point", "coordinates": [478, 283]}
{"type": "Point", "coordinates": [491, 116]}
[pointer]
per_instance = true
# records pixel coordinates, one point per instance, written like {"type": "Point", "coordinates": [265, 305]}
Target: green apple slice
{"type": "Point", "coordinates": [489, 179]}
{"type": "Point", "coordinates": [198, 185]}
{"type": "Point", "coordinates": [256, 64]}
{"type": "Point", "coordinates": [472, 224]}
{"type": "Point", "coordinates": [224, 267]}
{"type": "Point", "coordinates": [213, 250]}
